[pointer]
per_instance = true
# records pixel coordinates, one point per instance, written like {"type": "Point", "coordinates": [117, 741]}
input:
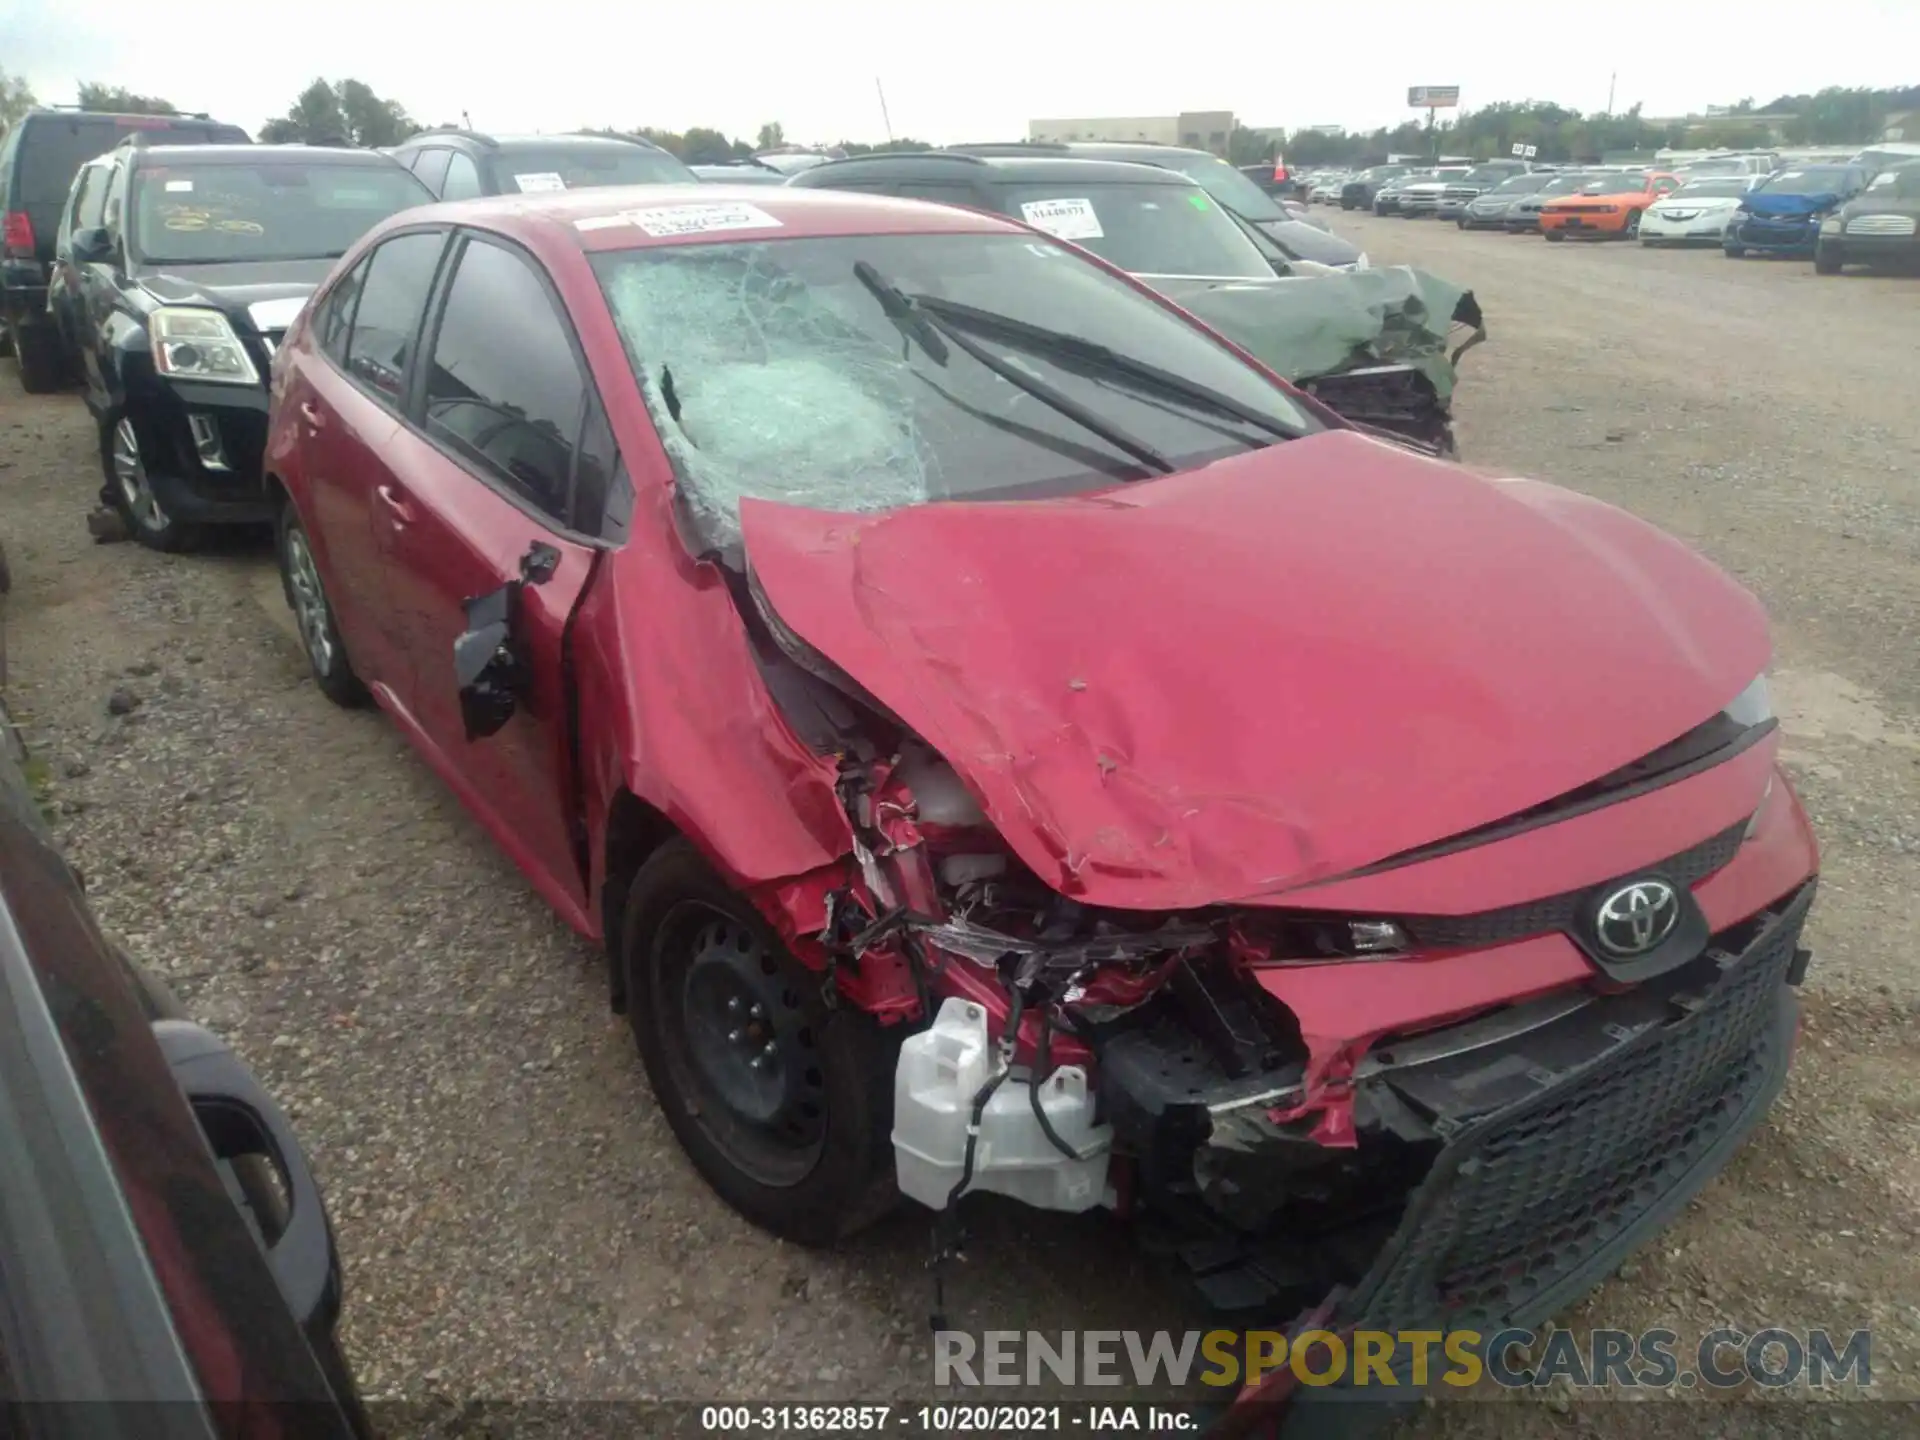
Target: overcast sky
{"type": "Point", "coordinates": [966, 70]}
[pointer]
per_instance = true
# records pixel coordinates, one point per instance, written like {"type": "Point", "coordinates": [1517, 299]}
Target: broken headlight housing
{"type": "Point", "coordinates": [1302, 938]}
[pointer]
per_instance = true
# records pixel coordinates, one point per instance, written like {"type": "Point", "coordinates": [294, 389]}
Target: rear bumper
{"type": "Point", "coordinates": [23, 304]}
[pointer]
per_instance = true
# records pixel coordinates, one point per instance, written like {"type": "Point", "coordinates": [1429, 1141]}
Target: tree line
{"type": "Point", "coordinates": [348, 112]}
{"type": "Point", "coordinates": [1834, 116]}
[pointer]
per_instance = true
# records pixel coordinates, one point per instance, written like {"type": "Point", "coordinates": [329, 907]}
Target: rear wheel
{"type": "Point", "coordinates": [1633, 224]}
{"type": "Point", "coordinates": [313, 614]}
{"type": "Point", "coordinates": [1733, 252]}
{"type": "Point", "coordinates": [36, 349]}
{"type": "Point", "coordinates": [1555, 236]}
{"type": "Point", "coordinates": [783, 1105]}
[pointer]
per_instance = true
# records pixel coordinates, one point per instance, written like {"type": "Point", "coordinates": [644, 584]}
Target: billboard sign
{"type": "Point", "coordinates": [1432, 97]}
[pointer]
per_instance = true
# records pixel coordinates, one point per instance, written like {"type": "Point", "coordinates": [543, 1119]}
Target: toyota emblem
{"type": "Point", "coordinates": [1636, 918]}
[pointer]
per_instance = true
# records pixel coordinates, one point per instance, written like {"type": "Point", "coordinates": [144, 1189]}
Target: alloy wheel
{"type": "Point", "coordinates": [130, 474]}
{"type": "Point", "coordinates": [309, 603]}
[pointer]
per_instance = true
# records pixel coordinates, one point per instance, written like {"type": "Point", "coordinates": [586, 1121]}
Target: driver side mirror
{"type": "Point", "coordinates": [94, 245]}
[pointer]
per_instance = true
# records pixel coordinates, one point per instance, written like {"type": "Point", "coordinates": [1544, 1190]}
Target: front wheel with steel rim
{"type": "Point", "coordinates": [1633, 224]}
{"type": "Point", "coordinates": [313, 614]}
{"type": "Point", "coordinates": [783, 1104]}
{"type": "Point", "coordinates": [124, 456]}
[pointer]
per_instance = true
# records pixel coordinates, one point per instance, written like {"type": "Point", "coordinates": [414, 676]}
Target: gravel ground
{"type": "Point", "coordinates": [515, 1218]}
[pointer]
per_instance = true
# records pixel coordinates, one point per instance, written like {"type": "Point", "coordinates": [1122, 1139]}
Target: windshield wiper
{"type": "Point", "coordinates": [1093, 358]}
{"type": "Point", "coordinates": [925, 324]}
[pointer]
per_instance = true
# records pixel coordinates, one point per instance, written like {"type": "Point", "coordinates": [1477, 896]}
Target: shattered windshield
{"type": "Point", "coordinates": [773, 371]}
{"type": "Point", "coordinates": [1149, 229]}
{"type": "Point", "coordinates": [214, 213]}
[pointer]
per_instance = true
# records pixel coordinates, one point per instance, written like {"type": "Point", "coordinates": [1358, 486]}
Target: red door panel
{"type": "Point", "coordinates": [447, 537]}
{"type": "Point", "coordinates": [344, 434]}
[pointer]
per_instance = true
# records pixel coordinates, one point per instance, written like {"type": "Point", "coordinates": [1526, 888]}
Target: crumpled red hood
{"type": "Point", "coordinates": [1269, 671]}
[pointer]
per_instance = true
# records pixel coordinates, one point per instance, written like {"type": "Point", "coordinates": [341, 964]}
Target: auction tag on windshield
{"type": "Point", "coordinates": [666, 220]}
{"type": "Point", "coordinates": [543, 180]}
{"type": "Point", "coordinates": [176, 187]}
{"type": "Point", "coordinates": [1068, 219]}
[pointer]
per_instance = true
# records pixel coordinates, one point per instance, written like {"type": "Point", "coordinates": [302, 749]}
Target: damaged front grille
{"type": "Point", "coordinates": [1537, 1194]}
{"type": "Point", "coordinates": [1556, 912]}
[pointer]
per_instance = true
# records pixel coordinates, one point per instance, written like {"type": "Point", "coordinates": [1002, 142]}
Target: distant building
{"type": "Point", "coordinates": [1197, 129]}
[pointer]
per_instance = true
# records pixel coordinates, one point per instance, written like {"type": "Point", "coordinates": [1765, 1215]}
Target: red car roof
{"type": "Point", "coordinates": [601, 219]}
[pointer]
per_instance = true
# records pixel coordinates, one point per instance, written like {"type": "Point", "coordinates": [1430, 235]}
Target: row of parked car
{"type": "Point", "coordinates": [1865, 211]}
{"type": "Point", "coordinates": [825, 598]}
{"type": "Point", "coordinates": [164, 278]}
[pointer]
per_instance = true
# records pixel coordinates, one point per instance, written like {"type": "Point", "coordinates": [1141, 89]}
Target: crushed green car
{"type": "Point", "coordinates": [1378, 347]}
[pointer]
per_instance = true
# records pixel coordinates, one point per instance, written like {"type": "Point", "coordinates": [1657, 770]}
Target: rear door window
{"type": "Point", "coordinates": [393, 299]}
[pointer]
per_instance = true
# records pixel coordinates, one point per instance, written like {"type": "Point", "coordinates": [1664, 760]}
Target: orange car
{"type": "Point", "coordinates": [1610, 205]}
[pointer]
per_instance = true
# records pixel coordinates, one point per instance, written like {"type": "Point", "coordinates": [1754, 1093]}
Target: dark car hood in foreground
{"type": "Point", "coordinates": [1269, 671]}
{"type": "Point", "coordinates": [1788, 206]}
{"type": "Point", "coordinates": [1305, 241]}
{"type": "Point", "coordinates": [236, 288]}
{"type": "Point", "coordinates": [1306, 328]}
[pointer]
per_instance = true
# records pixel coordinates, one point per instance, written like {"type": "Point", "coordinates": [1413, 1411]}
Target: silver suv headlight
{"type": "Point", "coordinates": [190, 343]}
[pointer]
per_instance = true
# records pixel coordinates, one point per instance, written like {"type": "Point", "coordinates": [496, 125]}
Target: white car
{"type": "Point", "coordinates": [1697, 213]}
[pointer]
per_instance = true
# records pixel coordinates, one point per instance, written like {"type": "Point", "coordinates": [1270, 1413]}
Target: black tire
{"type": "Point", "coordinates": [816, 1165]}
{"type": "Point", "coordinates": [1555, 237]}
{"type": "Point", "coordinates": [1632, 229]}
{"type": "Point", "coordinates": [1461, 224]}
{"type": "Point", "coordinates": [6, 340]}
{"type": "Point", "coordinates": [1733, 252]}
{"type": "Point", "coordinates": [125, 451]}
{"type": "Point", "coordinates": [1828, 260]}
{"type": "Point", "coordinates": [313, 615]}
{"type": "Point", "coordinates": [36, 350]}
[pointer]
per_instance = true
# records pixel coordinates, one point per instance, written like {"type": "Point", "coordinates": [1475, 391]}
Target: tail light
{"type": "Point", "coordinates": [18, 236]}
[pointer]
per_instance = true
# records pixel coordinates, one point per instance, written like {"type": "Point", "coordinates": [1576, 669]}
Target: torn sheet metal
{"type": "Point", "coordinates": [1306, 328]}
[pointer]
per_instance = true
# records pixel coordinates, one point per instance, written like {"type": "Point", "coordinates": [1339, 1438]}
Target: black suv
{"type": "Point", "coordinates": [177, 271]}
{"type": "Point", "coordinates": [37, 162]}
{"type": "Point", "coordinates": [163, 1241]}
{"type": "Point", "coordinates": [1232, 191]}
{"type": "Point", "coordinates": [460, 164]}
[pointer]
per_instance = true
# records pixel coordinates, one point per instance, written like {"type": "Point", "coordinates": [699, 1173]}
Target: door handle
{"type": "Point", "coordinates": [397, 507]}
{"type": "Point", "coordinates": [309, 414]}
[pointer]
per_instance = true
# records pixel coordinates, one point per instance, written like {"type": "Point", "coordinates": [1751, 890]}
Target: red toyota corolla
{"type": "Point", "coordinates": [1007, 740]}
